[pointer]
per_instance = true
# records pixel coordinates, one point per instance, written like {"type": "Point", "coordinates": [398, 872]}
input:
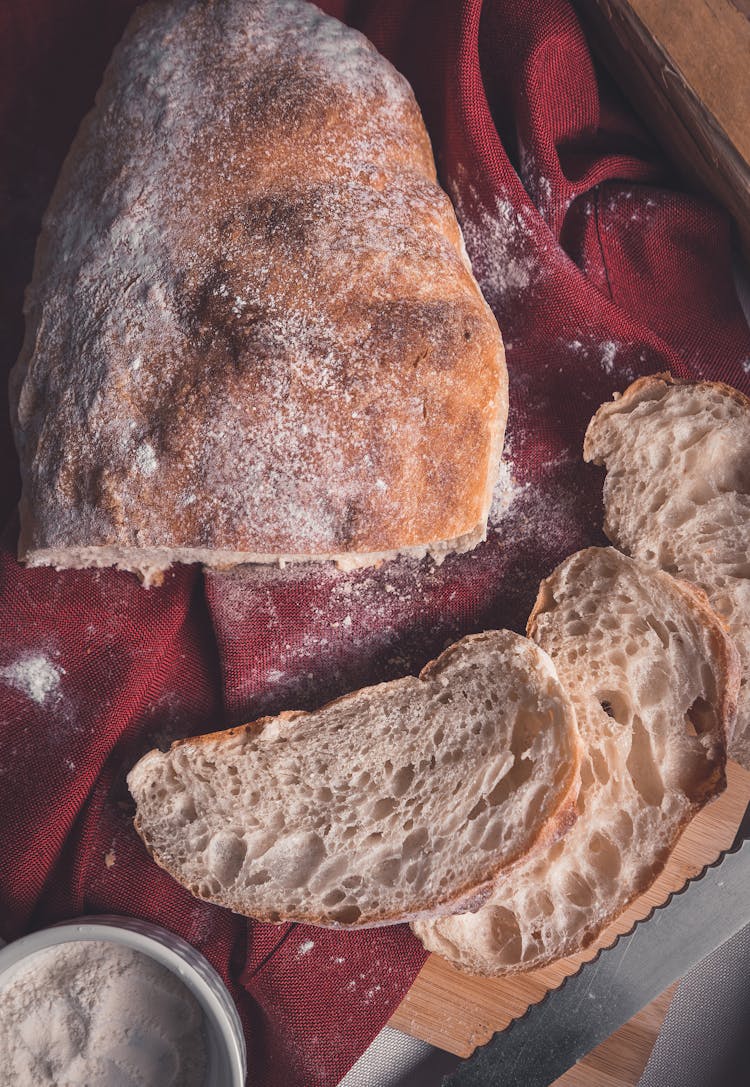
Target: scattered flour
{"type": "Point", "coordinates": [95, 1013]}
{"type": "Point", "coordinates": [609, 351]}
{"type": "Point", "coordinates": [745, 364]}
{"type": "Point", "coordinates": [501, 242]}
{"type": "Point", "coordinates": [537, 185]}
{"type": "Point", "coordinates": [35, 675]}
{"type": "Point", "coordinates": [505, 493]}
{"type": "Point", "coordinates": [146, 459]}
{"type": "Point", "coordinates": [305, 948]}
{"type": "Point", "coordinates": [605, 352]}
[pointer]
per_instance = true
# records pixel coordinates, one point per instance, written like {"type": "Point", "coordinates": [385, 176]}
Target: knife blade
{"type": "Point", "coordinates": [608, 990]}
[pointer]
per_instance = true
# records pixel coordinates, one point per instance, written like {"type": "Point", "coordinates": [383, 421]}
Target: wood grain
{"type": "Point", "coordinates": [620, 1060]}
{"type": "Point", "coordinates": [686, 69]}
{"type": "Point", "coordinates": [457, 1012]}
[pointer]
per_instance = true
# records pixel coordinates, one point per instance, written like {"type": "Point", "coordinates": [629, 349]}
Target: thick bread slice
{"type": "Point", "coordinates": [390, 803]}
{"type": "Point", "coordinates": [252, 331]}
{"type": "Point", "coordinates": [654, 680]}
{"type": "Point", "coordinates": [677, 493]}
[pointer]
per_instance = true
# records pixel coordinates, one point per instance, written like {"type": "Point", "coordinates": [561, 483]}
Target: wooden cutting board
{"type": "Point", "coordinates": [457, 1012]}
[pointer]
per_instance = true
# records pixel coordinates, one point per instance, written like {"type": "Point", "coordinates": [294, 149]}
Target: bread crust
{"type": "Point", "coordinates": [694, 551]}
{"type": "Point", "coordinates": [471, 896]}
{"type": "Point", "coordinates": [713, 786]}
{"type": "Point", "coordinates": [472, 958]}
{"type": "Point", "coordinates": [252, 333]}
{"type": "Point", "coordinates": [730, 669]}
{"type": "Point", "coordinates": [651, 387]}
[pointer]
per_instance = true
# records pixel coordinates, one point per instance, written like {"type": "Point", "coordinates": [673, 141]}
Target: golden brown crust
{"type": "Point", "coordinates": [251, 328]}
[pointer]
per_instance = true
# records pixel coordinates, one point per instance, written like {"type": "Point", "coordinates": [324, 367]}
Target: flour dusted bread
{"type": "Point", "coordinates": [654, 681]}
{"type": "Point", "coordinates": [252, 331]}
{"type": "Point", "coordinates": [677, 493]}
{"type": "Point", "coordinates": [398, 800]}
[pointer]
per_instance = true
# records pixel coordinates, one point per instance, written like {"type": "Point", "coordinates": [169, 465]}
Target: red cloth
{"type": "Point", "coordinates": [599, 269]}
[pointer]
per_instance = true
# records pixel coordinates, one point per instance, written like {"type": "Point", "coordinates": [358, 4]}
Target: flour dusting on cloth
{"type": "Point", "coordinates": [35, 675]}
{"type": "Point", "coordinates": [506, 254]}
{"type": "Point", "coordinates": [505, 493]}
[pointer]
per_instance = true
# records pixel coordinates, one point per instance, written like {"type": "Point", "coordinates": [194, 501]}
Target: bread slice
{"type": "Point", "coordinates": [654, 680]}
{"type": "Point", "coordinates": [252, 332]}
{"type": "Point", "coordinates": [398, 800]}
{"type": "Point", "coordinates": [677, 493]}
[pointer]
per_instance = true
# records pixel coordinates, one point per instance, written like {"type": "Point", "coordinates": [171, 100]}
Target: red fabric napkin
{"type": "Point", "coordinates": [599, 269]}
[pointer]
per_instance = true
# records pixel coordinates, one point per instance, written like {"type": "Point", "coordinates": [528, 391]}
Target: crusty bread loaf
{"type": "Point", "coordinates": [654, 681]}
{"type": "Point", "coordinates": [677, 493]}
{"type": "Point", "coordinates": [392, 802]}
{"type": "Point", "coordinates": [253, 334]}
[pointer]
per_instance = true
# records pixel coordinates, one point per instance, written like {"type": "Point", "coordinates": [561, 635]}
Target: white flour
{"type": "Point", "coordinates": [505, 493]}
{"type": "Point", "coordinates": [504, 248]}
{"type": "Point", "coordinates": [95, 1014]}
{"type": "Point", "coordinates": [35, 675]}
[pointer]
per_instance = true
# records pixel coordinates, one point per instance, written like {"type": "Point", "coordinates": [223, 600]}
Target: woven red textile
{"type": "Point", "coordinates": [599, 269]}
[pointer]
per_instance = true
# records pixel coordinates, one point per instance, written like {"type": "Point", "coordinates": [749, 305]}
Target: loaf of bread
{"type": "Point", "coordinates": [252, 332]}
{"type": "Point", "coordinates": [393, 802]}
{"type": "Point", "coordinates": [654, 680]}
{"type": "Point", "coordinates": [677, 494]}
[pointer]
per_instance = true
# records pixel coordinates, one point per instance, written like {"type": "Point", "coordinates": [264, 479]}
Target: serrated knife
{"type": "Point", "coordinates": [607, 991]}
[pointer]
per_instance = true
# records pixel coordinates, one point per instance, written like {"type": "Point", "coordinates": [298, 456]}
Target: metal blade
{"type": "Point", "coordinates": [608, 991]}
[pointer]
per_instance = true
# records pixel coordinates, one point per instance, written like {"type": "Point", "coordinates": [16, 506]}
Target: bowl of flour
{"type": "Point", "coordinates": [115, 1002]}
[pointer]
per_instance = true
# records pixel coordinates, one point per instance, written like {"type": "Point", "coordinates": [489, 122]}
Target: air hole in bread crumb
{"type": "Point", "coordinates": [334, 897]}
{"type": "Point", "coordinates": [701, 718]}
{"type": "Point", "coordinates": [623, 827]}
{"type": "Point", "coordinates": [347, 915]}
{"type": "Point", "coordinates": [403, 779]}
{"type": "Point", "coordinates": [578, 890]}
{"type": "Point", "coordinates": [608, 860]}
{"type": "Point", "coordinates": [518, 775]}
{"type": "Point", "coordinates": [617, 706]}
{"type": "Point", "coordinates": [505, 934]}
{"type": "Point", "coordinates": [599, 764]}
{"type": "Point", "coordinates": [642, 766]}
{"type": "Point", "coordinates": [383, 807]}
{"type": "Point", "coordinates": [660, 630]}
{"type": "Point", "coordinates": [414, 843]}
